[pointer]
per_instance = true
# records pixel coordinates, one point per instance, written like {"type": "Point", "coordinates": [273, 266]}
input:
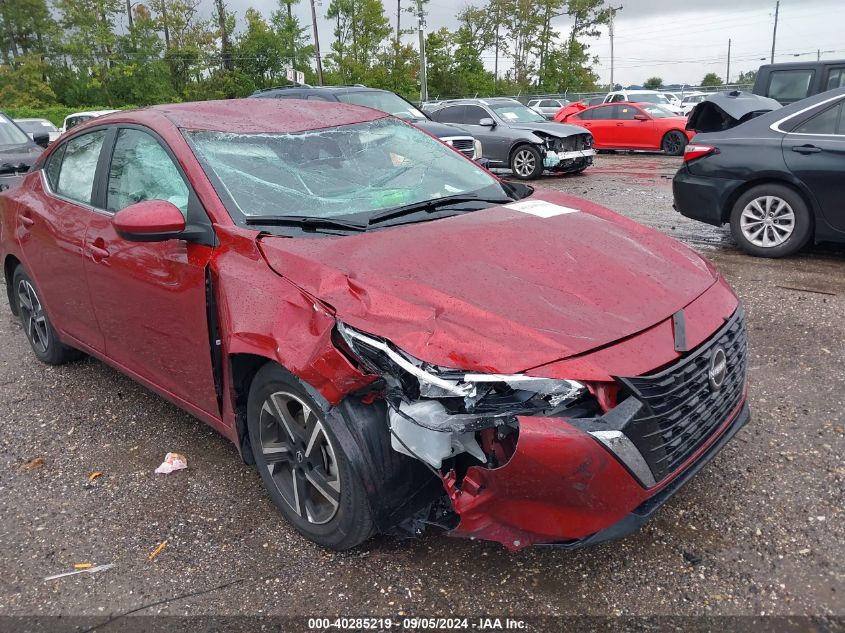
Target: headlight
{"type": "Point", "coordinates": [478, 153]}
{"type": "Point", "coordinates": [410, 380]}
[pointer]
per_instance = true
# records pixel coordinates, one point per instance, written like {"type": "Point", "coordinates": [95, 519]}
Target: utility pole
{"type": "Point", "coordinates": [316, 44]}
{"type": "Point", "coordinates": [819, 55]}
{"type": "Point", "coordinates": [423, 78]}
{"type": "Point", "coordinates": [613, 11]}
{"type": "Point", "coordinates": [129, 12]}
{"type": "Point", "coordinates": [775, 32]}
{"type": "Point", "coordinates": [728, 73]}
{"type": "Point", "coordinates": [398, 21]}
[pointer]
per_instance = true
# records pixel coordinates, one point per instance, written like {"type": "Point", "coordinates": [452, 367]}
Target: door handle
{"type": "Point", "coordinates": [26, 220]}
{"type": "Point", "coordinates": [98, 253]}
{"type": "Point", "coordinates": [806, 149]}
{"type": "Point", "coordinates": [620, 125]}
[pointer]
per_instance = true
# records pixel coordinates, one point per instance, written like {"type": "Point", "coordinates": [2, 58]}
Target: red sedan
{"type": "Point", "coordinates": [389, 333]}
{"type": "Point", "coordinates": [630, 126]}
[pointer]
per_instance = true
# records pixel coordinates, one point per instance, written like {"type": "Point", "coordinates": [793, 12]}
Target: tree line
{"type": "Point", "coordinates": [119, 52]}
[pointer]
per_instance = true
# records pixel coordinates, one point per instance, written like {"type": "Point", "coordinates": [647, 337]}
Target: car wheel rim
{"type": "Point", "coordinates": [672, 144]}
{"type": "Point", "coordinates": [767, 221]}
{"type": "Point", "coordinates": [524, 163]}
{"type": "Point", "coordinates": [33, 317]}
{"type": "Point", "coordinates": [299, 457]}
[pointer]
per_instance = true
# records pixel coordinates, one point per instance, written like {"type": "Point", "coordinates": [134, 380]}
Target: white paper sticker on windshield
{"type": "Point", "coordinates": [540, 208]}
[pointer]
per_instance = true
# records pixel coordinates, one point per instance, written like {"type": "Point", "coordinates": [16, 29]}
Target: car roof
{"type": "Point", "coordinates": [28, 119]}
{"type": "Point", "coordinates": [252, 116]}
{"type": "Point", "coordinates": [91, 113]}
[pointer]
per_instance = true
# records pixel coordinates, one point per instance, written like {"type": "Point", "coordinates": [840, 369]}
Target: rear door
{"type": "Point", "coordinates": [53, 222]}
{"type": "Point", "coordinates": [150, 297]}
{"type": "Point", "coordinates": [814, 150]}
{"type": "Point", "coordinates": [602, 124]}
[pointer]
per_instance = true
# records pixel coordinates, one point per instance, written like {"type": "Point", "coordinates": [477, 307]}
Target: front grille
{"type": "Point", "coordinates": [576, 142]}
{"type": "Point", "coordinates": [682, 411]}
{"type": "Point", "coordinates": [464, 145]}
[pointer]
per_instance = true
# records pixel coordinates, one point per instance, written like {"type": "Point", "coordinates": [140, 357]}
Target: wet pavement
{"type": "Point", "coordinates": [758, 531]}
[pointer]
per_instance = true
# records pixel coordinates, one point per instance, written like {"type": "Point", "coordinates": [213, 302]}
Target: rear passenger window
{"type": "Point", "coordinates": [453, 114]}
{"type": "Point", "coordinates": [79, 164]}
{"type": "Point", "coordinates": [790, 85]}
{"type": "Point", "coordinates": [826, 122]}
{"type": "Point", "coordinates": [835, 78]}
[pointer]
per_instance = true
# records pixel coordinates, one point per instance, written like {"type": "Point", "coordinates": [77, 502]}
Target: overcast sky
{"type": "Point", "coordinates": [678, 40]}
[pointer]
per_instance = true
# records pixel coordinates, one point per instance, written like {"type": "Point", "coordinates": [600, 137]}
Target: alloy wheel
{"type": "Point", "coordinates": [33, 317]}
{"type": "Point", "coordinates": [767, 221]}
{"type": "Point", "coordinates": [672, 144]}
{"type": "Point", "coordinates": [299, 457]}
{"type": "Point", "coordinates": [524, 163]}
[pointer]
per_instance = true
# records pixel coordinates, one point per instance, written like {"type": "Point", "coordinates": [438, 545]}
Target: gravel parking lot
{"type": "Point", "coordinates": [759, 531]}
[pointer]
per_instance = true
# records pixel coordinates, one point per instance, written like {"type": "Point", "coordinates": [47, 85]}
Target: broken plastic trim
{"type": "Point", "coordinates": [530, 394]}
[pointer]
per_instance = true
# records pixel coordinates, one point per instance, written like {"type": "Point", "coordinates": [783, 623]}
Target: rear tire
{"type": "Point", "coordinates": [674, 143]}
{"type": "Point", "coordinates": [40, 333]}
{"type": "Point", "coordinates": [302, 463]}
{"type": "Point", "coordinates": [771, 220]}
{"type": "Point", "coordinates": [526, 163]}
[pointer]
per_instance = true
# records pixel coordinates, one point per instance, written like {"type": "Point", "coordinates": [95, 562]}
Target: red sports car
{"type": "Point", "coordinates": [391, 334]}
{"type": "Point", "coordinates": [630, 126]}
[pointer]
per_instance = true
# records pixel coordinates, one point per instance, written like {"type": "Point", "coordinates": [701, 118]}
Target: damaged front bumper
{"type": "Point", "coordinates": [527, 460]}
{"type": "Point", "coordinates": [553, 159]}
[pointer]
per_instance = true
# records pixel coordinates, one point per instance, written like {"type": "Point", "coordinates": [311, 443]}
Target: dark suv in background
{"type": "Point", "coordinates": [793, 81]}
{"type": "Point", "coordinates": [385, 101]}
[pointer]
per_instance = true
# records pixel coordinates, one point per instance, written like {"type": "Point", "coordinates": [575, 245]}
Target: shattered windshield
{"type": "Point", "coordinates": [340, 171]}
{"type": "Point", "coordinates": [517, 113]}
{"type": "Point", "coordinates": [384, 101]}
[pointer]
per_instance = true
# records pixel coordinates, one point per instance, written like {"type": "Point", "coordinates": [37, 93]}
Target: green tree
{"type": "Point", "coordinates": [748, 77]}
{"type": "Point", "coordinates": [139, 74]}
{"type": "Point", "coordinates": [711, 80]}
{"type": "Point", "coordinates": [361, 28]}
{"type": "Point", "coordinates": [26, 26]}
{"type": "Point", "coordinates": [653, 83]}
{"type": "Point", "coordinates": [293, 37]}
{"type": "Point", "coordinates": [22, 83]}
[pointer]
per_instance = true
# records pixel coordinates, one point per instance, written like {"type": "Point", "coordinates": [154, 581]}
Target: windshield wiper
{"type": "Point", "coordinates": [430, 206]}
{"type": "Point", "coordinates": [304, 222]}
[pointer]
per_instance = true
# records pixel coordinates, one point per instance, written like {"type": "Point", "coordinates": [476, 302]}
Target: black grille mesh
{"type": "Point", "coordinates": [465, 146]}
{"type": "Point", "coordinates": [682, 411]}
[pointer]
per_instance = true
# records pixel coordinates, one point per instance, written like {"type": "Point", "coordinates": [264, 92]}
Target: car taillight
{"type": "Point", "coordinates": [691, 152]}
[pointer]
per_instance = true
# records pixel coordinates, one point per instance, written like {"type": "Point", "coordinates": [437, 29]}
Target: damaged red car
{"type": "Point", "coordinates": [395, 338]}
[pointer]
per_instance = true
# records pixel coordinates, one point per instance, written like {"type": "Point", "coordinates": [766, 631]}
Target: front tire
{"type": "Point", "coordinates": [304, 468]}
{"type": "Point", "coordinates": [40, 333]}
{"type": "Point", "coordinates": [526, 163]}
{"type": "Point", "coordinates": [771, 220]}
{"type": "Point", "coordinates": [674, 143]}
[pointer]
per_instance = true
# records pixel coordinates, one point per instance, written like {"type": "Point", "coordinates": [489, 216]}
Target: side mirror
{"type": "Point", "coordinates": [640, 117]}
{"type": "Point", "coordinates": [487, 122]}
{"type": "Point", "coordinates": [149, 221]}
{"type": "Point", "coordinates": [41, 139]}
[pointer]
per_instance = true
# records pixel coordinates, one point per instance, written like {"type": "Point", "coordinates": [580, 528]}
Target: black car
{"type": "Point", "coordinates": [776, 178]}
{"type": "Point", "coordinates": [789, 82]}
{"type": "Point", "coordinates": [17, 151]}
{"type": "Point", "coordinates": [385, 101]}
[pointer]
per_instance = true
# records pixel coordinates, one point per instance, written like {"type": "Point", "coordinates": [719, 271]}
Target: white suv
{"type": "Point", "coordinates": [642, 96]}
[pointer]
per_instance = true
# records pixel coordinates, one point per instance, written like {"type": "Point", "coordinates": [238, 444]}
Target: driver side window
{"type": "Point", "coordinates": [142, 170]}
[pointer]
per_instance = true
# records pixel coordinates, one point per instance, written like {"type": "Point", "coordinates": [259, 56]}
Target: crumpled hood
{"type": "Point", "coordinates": [561, 130]}
{"type": "Point", "coordinates": [724, 110]}
{"type": "Point", "coordinates": [501, 289]}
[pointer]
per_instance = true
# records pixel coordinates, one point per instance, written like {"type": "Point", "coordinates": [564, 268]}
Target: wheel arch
{"type": "Point", "coordinates": [242, 370]}
{"type": "Point", "coordinates": [768, 180]}
{"type": "Point", "coordinates": [9, 265]}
